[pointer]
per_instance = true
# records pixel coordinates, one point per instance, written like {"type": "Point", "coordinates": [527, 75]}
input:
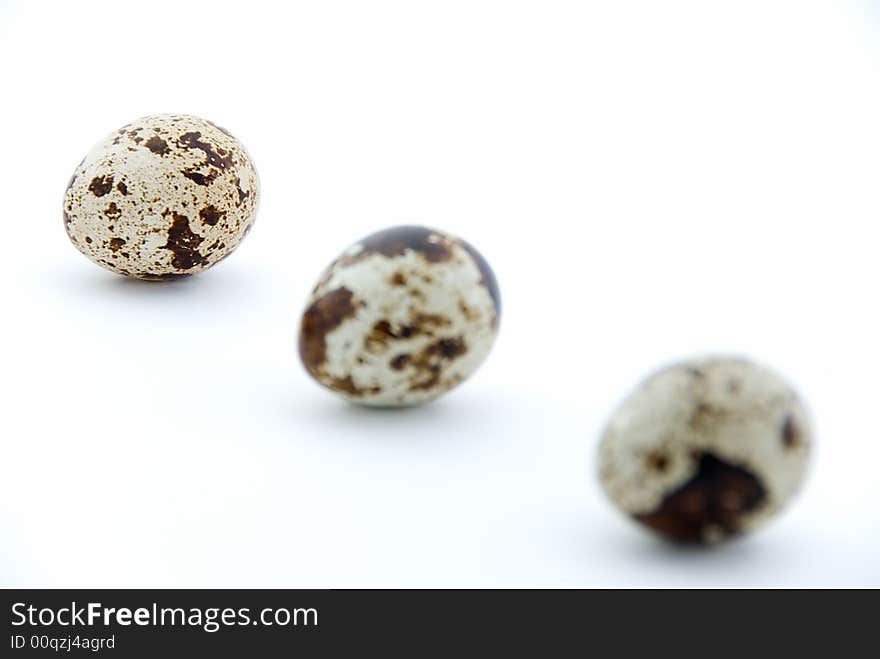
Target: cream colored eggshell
{"type": "Point", "coordinates": [713, 432]}
{"type": "Point", "coordinates": [163, 196]}
{"type": "Point", "coordinates": [400, 318]}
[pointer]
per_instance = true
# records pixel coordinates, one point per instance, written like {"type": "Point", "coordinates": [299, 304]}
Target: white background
{"type": "Point", "coordinates": [649, 180]}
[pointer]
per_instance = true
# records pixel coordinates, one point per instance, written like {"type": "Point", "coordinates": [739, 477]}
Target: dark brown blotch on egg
{"type": "Point", "coordinates": [214, 155]}
{"type": "Point", "coordinates": [710, 505]}
{"type": "Point", "coordinates": [487, 277]}
{"type": "Point", "coordinates": [397, 240]}
{"type": "Point", "coordinates": [429, 362]}
{"type": "Point", "coordinates": [322, 317]}
{"type": "Point", "coordinates": [183, 243]}
{"type": "Point", "coordinates": [157, 145]}
{"type": "Point", "coordinates": [210, 215]}
{"type": "Point", "coordinates": [197, 177]}
{"type": "Point", "coordinates": [791, 434]}
{"type": "Point", "coordinates": [346, 385]}
{"type": "Point", "coordinates": [657, 461]}
{"type": "Point", "coordinates": [113, 211]}
{"type": "Point", "coordinates": [101, 185]}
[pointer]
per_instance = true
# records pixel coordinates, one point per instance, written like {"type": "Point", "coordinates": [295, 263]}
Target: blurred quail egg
{"type": "Point", "coordinates": [706, 449]}
{"type": "Point", "coordinates": [401, 317]}
{"type": "Point", "coordinates": [163, 196]}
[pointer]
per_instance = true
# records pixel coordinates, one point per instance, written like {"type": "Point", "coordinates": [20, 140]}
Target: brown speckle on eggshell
{"type": "Point", "coordinates": [177, 191]}
{"type": "Point", "coordinates": [401, 317]}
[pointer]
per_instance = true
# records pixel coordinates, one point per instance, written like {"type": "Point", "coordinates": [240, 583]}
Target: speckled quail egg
{"type": "Point", "coordinates": [163, 196]}
{"type": "Point", "coordinates": [401, 317]}
{"type": "Point", "coordinates": [706, 449]}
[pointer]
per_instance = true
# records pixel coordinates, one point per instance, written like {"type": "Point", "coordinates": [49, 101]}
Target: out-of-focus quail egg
{"type": "Point", "coordinates": [706, 449]}
{"type": "Point", "coordinates": [163, 196]}
{"type": "Point", "coordinates": [400, 318]}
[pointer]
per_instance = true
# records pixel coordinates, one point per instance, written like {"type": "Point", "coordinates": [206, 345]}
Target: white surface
{"type": "Point", "coordinates": [649, 181]}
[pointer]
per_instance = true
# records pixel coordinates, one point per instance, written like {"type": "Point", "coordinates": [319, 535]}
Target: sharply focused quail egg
{"type": "Point", "coordinates": [163, 196]}
{"type": "Point", "coordinates": [400, 317]}
{"type": "Point", "coordinates": [706, 449]}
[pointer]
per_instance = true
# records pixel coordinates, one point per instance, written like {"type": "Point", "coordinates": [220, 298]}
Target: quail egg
{"type": "Point", "coordinates": [706, 449]}
{"type": "Point", "coordinates": [163, 196]}
{"type": "Point", "coordinates": [401, 317]}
